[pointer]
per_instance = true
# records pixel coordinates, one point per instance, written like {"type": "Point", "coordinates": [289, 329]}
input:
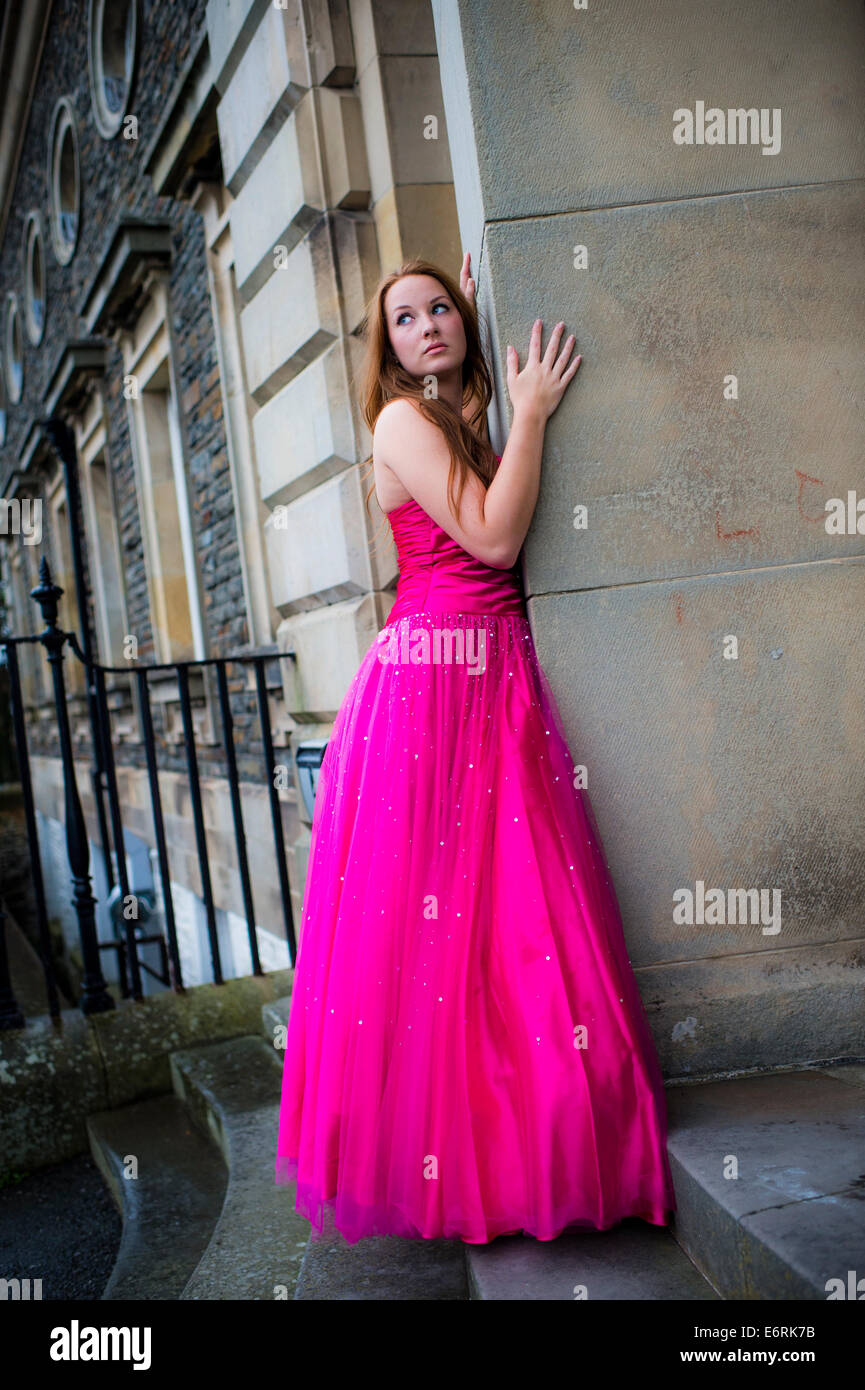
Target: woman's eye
{"type": "Point", "coordinates": [404, 313]}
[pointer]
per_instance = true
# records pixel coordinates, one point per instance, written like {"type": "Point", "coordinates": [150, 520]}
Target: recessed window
{"type": "Point", "coordinates": [34, 279]}
{"type": "Point", "coordinates": [2, 402]}
{"type": "Point", "coordinates": [64, 181]}
{"type": "Point", "coordinates": [13, 346]}
{"type": "Point", "coordinates": [112, 45]}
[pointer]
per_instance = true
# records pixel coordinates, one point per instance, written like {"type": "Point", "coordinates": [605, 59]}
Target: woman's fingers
{"type": "Point", "coordinates": [567, 375]}
{"type": "Point", "coordinates": [553, 344]}
{"type": "Point", "coordinates": [564, 356]}
{"type": "Point", "coordinates": [467, 284]}
{"type": "Point", "coordinates": [535, 341]}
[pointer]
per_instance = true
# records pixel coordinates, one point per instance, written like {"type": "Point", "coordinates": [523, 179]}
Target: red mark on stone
{"type": "Point", "coordinates": [803, 479]}
{"type": "Point", "coordinates": [731, 535]}
{"type": "Point", "coordinates": [678, 598]}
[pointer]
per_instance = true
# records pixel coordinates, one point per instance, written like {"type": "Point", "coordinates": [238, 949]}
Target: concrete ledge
{"type": "Point", "coordinates": [171, 1200]}
{"type": "Point", "coordinates": [275, 1015]}
{"type": "Point", "coordinates": [768, 1180]}
{"type": "Point", "coordinates": [52, 1078]}
{"type": "Point", "coordinates": [232, 1091]}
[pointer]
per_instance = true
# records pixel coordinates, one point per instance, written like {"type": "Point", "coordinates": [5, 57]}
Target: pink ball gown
{"type": "Point", "coordinates": [467, 1053]}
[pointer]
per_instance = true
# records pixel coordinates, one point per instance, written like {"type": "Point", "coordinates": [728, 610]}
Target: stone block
{"type": "Point", "coordinates": [294, 317]}
{"type": "Point", "coordinates": [391, 27]}
{"type": "Point", "coordinates": [330, 644]}
{"type": "Point", "coordinates": [677, 478]}
{"type": "Point", "coordinates": [340, 124]}
{"type": "Point", "coordinates": [739, 773]}
{"type": "Point", "coordinates": [575, 108]}
{"type": "Point", "coordinates": [267, 84]}
{"type": "Point", "coordinates": [317, 546]}
{"type": "Point", "coordinates": [280, 202]}
{"type": "Point", "coordinates": [398, 95]}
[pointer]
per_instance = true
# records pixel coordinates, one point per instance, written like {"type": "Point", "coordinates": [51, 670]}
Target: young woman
{"type": "Point", "coordinates": [467, 1053]}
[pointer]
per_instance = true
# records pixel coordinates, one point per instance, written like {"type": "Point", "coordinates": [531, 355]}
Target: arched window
{"type": "Point", "coordinates": [112, 49]}
{"type": "Point", "coordinates": [13, 345]}
{"type": "Point", "coordinates": [34, 279]}
{"type": "Point", "coordinates": [64, 181]}
{"type": "Point", "coordinates": [3, 400]}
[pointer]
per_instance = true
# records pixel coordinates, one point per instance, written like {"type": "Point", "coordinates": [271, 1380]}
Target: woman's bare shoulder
{"type": "Point", "coordinates": [396, 414]}
{"type": "Point", "coordinates": [401, 430]}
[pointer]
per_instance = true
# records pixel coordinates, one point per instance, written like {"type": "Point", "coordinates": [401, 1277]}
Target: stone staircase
{"type": "Point", "coordinates": [203, 1218]}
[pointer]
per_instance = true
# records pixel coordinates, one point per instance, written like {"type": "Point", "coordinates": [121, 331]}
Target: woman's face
{"type": "Point", "coordinates": [420, 316]}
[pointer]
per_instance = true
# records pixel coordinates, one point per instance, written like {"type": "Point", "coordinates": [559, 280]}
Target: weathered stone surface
{"type": "Point", "coordinates": [269, 80]}
{"type": "Point", "coordinates": [739, 773]}
{"type": "Point", "coordinates": [318, 548]}
{"type": "Point", "coordinates": [293, 318]}
{"type": "Point", "coordinates": [280, 202]}
{"type": "Point", "coordinates": [574, 108]}
{"type": "Point", "coordinates": [677, 479]}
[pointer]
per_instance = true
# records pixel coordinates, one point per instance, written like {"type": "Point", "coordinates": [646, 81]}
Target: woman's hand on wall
{"type": "Point", "coordinates": [539, 387]}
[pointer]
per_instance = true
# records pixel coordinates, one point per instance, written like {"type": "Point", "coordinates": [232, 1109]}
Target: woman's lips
{"type": "Point", "coordinates": [437, 347]}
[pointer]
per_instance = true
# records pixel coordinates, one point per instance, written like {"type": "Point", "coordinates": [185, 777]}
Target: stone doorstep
{"type": "Point", "coordinates": [172, 1203]}
{"type": "Point", "coordinates": [636, 1260]}
{"type": "Point", "coordinates": [383, 1269]}
{"type": "Point", "coordinates": [794, 1217]}
{"type": "Point", "coordinates": [633, 1260]}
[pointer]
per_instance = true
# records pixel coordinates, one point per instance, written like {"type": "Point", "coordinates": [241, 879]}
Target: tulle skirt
{"type": "Point", "coordinates": [467, 1053]}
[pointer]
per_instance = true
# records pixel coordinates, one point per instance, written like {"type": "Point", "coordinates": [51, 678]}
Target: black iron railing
{"type": "Point", "coordinates": [95, 995]}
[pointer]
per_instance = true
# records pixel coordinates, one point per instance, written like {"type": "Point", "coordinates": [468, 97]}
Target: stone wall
{"type": "Point", "coordinates": [702, 631]}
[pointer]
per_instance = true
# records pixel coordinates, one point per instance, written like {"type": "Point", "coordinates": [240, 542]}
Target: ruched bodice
{"type": "Point", "coordinates": [437, 576]}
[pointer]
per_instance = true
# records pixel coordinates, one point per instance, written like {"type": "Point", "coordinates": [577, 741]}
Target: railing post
{"type": "Point", "coordinates": [275, 806]}
{"type": "Point", "coordinates": [95, 997]}
{"type": "Point", "coordinates": [62, 440]}
{"type": "Point", "coordinates": [10, 1014]}
{"type": "Point", "coordinates": [17, 704]}
{"type": "Point", "coordinates": [198, 818]}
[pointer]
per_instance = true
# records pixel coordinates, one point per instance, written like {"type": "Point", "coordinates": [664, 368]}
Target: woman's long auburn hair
{"type": "Point", "coordinates": [383, 379]}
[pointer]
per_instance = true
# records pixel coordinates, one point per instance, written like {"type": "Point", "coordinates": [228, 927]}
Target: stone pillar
{"type": "Point", "coordinates": [335, 153]}
{"type": "Point", "coordinates": [704, 632]}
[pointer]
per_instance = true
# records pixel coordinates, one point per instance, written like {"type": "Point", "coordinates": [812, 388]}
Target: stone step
{"type": "Point", "coordinates": [274, 1015]}
{"type": "Point", "coordinates": [790, 1220]}
{"type": "Point", "coordinates": [232, 1090]}
{"type": "Point", "coordinates": [633, 1260]}
{"type": "Point", "coordinates": [172, 1204]}
{"type": "Point", "coordinates": [793, 1217]}
{"type": "Point", "coordinates": [381, 1268]}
